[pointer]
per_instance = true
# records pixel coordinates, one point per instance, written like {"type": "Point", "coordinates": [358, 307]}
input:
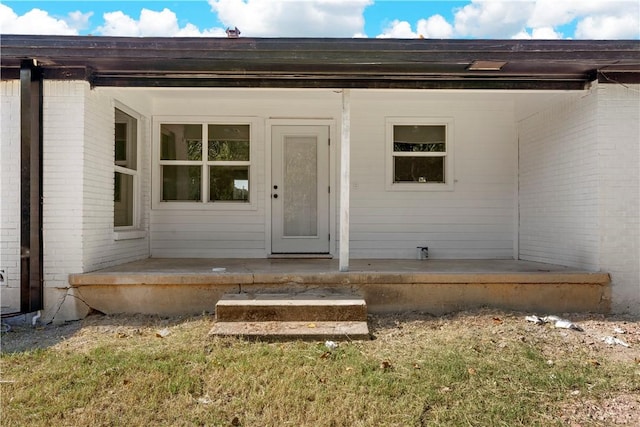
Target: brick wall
{"type": "Point", "coordinates": [101, 249]}
{"type": "Point", "coordinates": [62, 183]}
{"type": "Point", "coordinates": [558, 184]}
{"type": "Point", "coordinates": [78, 233]}
{"type": "Point", "coordinates": [10, 195]}
{"type": "Point", "coordinates": [580, 187]}
{"type": "Point", "coordinates": [619, 191]}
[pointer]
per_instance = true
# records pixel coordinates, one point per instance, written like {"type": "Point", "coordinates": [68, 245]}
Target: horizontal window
{"type": "Point", "coordinates": [215, 172]}
{"type": "Point", "coordinates": [419, 154]}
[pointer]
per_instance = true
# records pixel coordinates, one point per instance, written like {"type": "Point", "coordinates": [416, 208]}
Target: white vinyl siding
{"type": "Point", "coordinates": [475, 220]}
{"type": "Point", "coordinates": [235, 230]}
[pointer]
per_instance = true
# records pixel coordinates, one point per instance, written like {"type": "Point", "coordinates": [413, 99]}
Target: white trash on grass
{"type": "Point", "coordinates": [331, 345]}
{"type": "Point", "coordinates": [534, 319]}
{"type": "Point", "coordinates": [163, 333]}
{"type": "Point", "coordinates": [609, 340]}
{"type": "Point", "coordinates": [558, 322]}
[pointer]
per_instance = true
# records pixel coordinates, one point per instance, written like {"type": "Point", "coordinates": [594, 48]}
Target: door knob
{"type": "Point", "coordinates": [275, 196]}
{"type": "Point", "coordinates": [275, 187]}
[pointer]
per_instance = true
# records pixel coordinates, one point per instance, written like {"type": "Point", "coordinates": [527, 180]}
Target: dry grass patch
{"type": "Point", "coordinates": [479, 368]}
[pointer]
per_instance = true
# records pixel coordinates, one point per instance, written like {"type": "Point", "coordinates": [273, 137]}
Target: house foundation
{"type": "Point", "coordinates": [191, 286]}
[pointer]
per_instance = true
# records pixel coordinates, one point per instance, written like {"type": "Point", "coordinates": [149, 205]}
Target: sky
{"type": "Point", "coordinates": [477, 19]}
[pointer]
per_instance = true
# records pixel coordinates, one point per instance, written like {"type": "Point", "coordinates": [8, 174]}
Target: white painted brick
{"type": "Point", "coordinates": [558, 184]}
{"type": "Point", "coordinates": [619, 191]}
{"type": "Point", "coordinates": [10, 184]}
{"type": "Point", "coordinates": [78, 183]}
{"type": "Point", "coordinates": [580, 187]}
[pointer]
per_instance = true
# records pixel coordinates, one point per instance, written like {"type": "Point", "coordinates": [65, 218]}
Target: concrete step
{"type": "Point", "coordinates": [317, 306]}
{"type": "Point", "coordinates": [293, 330]}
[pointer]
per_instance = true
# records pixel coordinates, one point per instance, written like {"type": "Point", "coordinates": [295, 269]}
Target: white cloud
{"type": "Point", "coordinates": [544, 33]}
{"type": "Point", "coordinates": [608, 27]}
{"type": "Point", "coordinates": [286, 18]}
{"type": "Point", "coordinates": [191, 30]}
{"type": "Point", "coordinates": [492, 19]}
{"type": "Point", "coordinates": [398, 30]}
{"type": "Point", "coordinates": [161, 23]}
{"type": "Point", "coordinates": [36, 21]}
{"type": "Point", "coordinates": [435, 27]}
{"type": "Point", "coordinates": [150, 24]}
{"type": "Point", "coordinates": [530, 19]}
{"type": "Point", "coordinates": [118, 24]}
{"type": "Point", "coordinates": [554, 12]}
{"type": "Point", "coordinates": [79, 20]}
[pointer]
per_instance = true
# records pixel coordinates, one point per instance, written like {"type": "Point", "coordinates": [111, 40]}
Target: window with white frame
{"type": "Point", "coordinates": [419, 153]}
{"type": "Point", "coordinates": [215, 171]}
{"type": "Point", "coordinates": [125, 170]}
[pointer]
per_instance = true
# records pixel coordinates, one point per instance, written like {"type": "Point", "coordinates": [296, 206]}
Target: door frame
{"type": "Point", "coordinates": [331, 124]}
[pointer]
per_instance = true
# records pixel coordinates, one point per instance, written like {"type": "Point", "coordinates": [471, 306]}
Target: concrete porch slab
{"type": "Point", "coordinates": [191, 286]}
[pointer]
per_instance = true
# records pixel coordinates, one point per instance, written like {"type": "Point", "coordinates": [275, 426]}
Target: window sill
{"type": "Point", "coordinates": [129, 234]}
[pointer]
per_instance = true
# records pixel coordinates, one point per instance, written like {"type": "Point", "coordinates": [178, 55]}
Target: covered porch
{"type": "Point", "coordinates": [190, 286]}
{"type": "Point", "coordinates": [513, 133]}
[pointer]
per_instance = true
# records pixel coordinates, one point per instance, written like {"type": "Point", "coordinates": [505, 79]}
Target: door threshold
{"type": "Point", "coordinates": [300, 256]}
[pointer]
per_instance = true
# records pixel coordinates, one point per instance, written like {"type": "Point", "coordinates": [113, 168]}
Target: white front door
{"type": "Point", "coordinates": [300, 189]}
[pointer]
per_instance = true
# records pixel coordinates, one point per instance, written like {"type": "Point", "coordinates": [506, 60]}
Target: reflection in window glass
{"type": "Point", "coordinates": [418, 169]}
{"type": "Point", "coordinates": [205, 162]}
{"type": "Point", "coordinates": [228, 143]}
{"type": "Point", "coordinates": [229, 183]}
{"type": "Point", "coordinates": [419, 153]}
{"type": "Point", "coordinates": [125, 169]}
{"type": "Point", "coordinates": [126, 144]}
{"type": "Point", "coordinates": [123, 200]}
{"type": "Point", "coordinates": [419, 133]}
{"type": "Point", "coordinates": [181, 142]}
{"type": "Point", "coordinates": [181, 183]}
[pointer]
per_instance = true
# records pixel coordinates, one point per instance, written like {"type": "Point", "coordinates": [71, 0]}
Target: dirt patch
{"type": "Point", "coordinates": [82, 333]}
{"type": "Point", "coordinates": [617, 410]}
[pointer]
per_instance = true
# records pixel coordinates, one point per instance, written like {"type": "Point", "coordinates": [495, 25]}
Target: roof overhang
{"type": "Point", "coordinates": [325, 63]}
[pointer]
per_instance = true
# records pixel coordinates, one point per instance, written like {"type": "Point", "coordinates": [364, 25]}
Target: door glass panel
{"type": "Point", "coordinates": [300, 184]}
